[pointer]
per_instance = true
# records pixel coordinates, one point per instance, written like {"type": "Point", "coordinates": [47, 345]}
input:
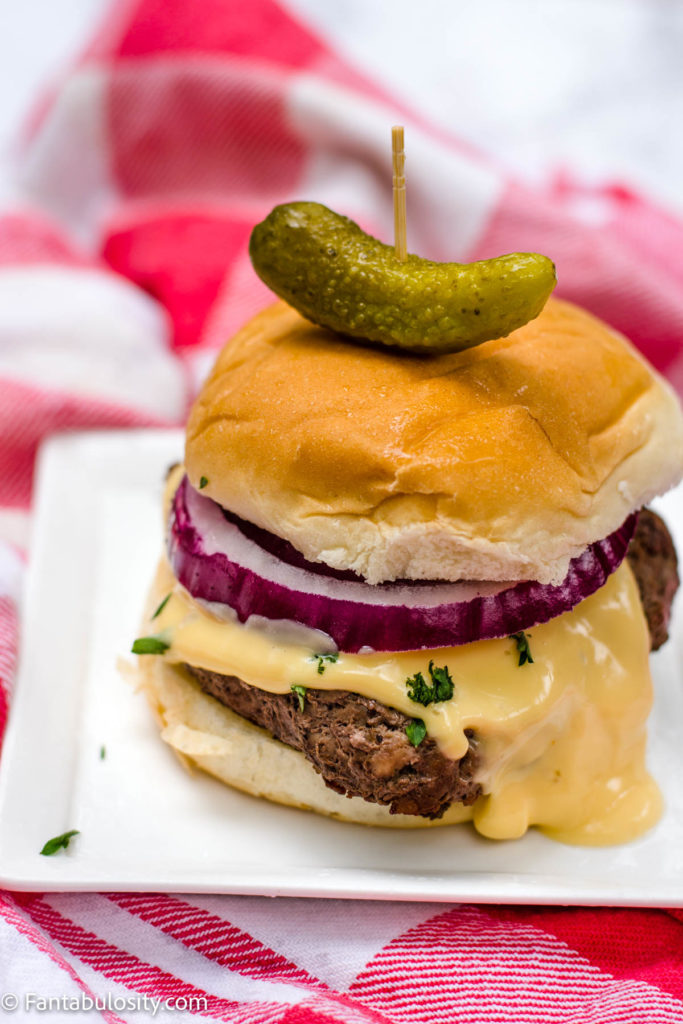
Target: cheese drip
{"type": "Point", "coordinates": [561, 741]}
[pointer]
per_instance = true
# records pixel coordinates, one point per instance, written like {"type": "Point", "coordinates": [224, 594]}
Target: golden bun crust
{"type": "Point", "coordinates": [501, 462]}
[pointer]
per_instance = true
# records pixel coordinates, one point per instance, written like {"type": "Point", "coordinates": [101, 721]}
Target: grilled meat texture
{"type": "Point", "coordinates": [358, 745]}
{"type": "Point", "coordinates": [652, 557]}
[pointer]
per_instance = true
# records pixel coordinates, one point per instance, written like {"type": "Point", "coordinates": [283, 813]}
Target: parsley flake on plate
{"type": "Point", "coordinates": [59, 842]}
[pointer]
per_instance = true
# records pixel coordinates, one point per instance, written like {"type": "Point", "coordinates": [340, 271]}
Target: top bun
{"type": "Point", "coordinates": [501, 462]}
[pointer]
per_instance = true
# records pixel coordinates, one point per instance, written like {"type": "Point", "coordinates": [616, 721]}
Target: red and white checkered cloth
{"type": "Point", "coordinates": [122, 271]}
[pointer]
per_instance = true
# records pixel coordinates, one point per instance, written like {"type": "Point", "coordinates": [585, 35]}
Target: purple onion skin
{"type": "Point", "coordinates": [354, 625]}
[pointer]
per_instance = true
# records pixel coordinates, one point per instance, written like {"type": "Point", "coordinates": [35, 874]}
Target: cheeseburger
{"type": "Point", "coordinates": [421, 589]}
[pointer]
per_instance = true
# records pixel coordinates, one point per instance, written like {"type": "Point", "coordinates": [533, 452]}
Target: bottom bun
{"type": "Point", "coordinates": [207, 734]}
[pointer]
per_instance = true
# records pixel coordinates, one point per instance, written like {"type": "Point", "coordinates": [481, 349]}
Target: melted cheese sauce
{"type": "Point", "coordinates": [561, 741]}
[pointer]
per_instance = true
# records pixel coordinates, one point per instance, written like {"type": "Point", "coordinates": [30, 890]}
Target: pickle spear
{"type": "Point", "coordinates": [336, 275]}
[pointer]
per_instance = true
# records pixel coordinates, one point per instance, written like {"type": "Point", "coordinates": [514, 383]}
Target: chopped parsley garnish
{"type": "Point", "coordinates": [162, 605]}
{"type": "Point", "coordinates": [103, 752]}
{"type": "Point", "coordinates": [416, 731]}
{"type": "Point", "coordinates": [202, 482]}
{"type": "Point", "coordinates": [300, 691]}
{"type": "Point", "coordinates": [443, 684]}
{"type": "Point", "coordinates": [418, 690]}
{"type": "Point", "coordinates": [58, 843]}
{"type": "Point", "coordinates": [440, 688]}
{"type": "Point", "coordinates": [150, 645]}
{"type": "Point", "coordinates": [521, 639]}
{"type": "Point", "coordinates": [322, 658]}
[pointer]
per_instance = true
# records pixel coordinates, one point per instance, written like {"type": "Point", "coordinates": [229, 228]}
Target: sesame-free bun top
{"type": "Point", "coordinates": [501, 462]}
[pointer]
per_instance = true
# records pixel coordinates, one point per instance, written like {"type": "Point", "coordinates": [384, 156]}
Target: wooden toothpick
{"type": "Point", "coordinates": [399, 182]}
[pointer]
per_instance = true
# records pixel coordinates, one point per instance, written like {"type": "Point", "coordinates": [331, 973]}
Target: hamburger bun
{"type": "Point", "coordinates": [502, 462]}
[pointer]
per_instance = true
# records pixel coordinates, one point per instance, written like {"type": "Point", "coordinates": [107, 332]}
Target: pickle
{"type": "Point", "coordinates": [336, 275]}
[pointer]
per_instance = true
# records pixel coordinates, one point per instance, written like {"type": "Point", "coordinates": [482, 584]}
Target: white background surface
{"type": "Point", "coordinates": [38, 39]}
{"type": "Point", "coordinates": [593, 84]}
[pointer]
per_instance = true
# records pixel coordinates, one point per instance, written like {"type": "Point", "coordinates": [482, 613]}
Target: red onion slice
{"type": "Point", "coordinates": [215, 561]}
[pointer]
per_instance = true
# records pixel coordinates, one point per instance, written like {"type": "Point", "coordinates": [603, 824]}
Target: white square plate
{"type": "Point", "coordinates": [145, 824]}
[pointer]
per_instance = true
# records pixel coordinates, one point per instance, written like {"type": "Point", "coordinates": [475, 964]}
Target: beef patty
{"type": "Point", "coordinates": [360, 747]}
{"type": "Point", "coordinates": [652, 557]}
